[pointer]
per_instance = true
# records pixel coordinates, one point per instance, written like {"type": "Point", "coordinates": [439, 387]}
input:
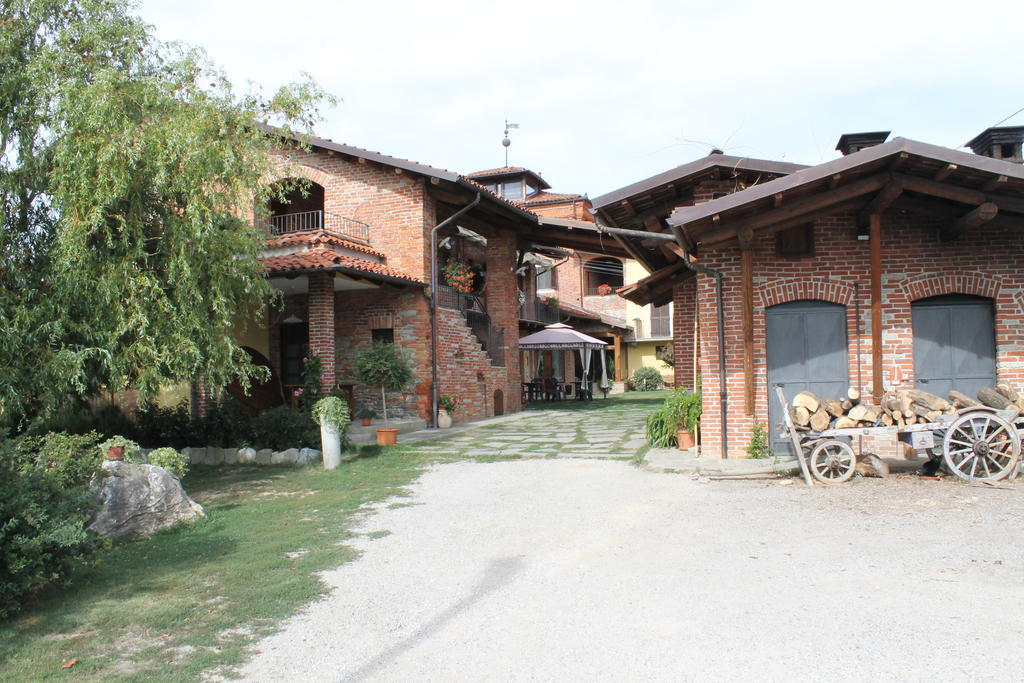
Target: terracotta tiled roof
{"type": "Point", "coordinates": [542, 197]}
{"type": "Point", "coordinates": [578, 312]}
{"type": "Point", "coordinates": [318, 237]}
{"type": "Point", "coordinates": [497, 171]}
{"type": "Point", "coordinates": [327, 259]}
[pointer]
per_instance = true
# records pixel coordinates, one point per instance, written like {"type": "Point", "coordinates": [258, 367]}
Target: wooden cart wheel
{"type": "Point", "coordinates": [981, 446]}
{"type": "Point", "coordinates": [833, 461]}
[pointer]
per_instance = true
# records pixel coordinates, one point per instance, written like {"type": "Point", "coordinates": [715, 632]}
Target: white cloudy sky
{"type": "Point", "coordinates": [607, 93]}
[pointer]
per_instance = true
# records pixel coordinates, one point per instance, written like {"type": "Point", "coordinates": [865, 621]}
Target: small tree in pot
{"type": "Point", "coordinates": [385, 366]}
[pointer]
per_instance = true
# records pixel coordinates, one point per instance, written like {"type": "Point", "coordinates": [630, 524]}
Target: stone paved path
{"type": "Point", "coordinates": [607, 428]}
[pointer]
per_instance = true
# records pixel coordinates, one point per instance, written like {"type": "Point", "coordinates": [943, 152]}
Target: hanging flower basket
{"type": "Point", "coordinates": [458, 276]}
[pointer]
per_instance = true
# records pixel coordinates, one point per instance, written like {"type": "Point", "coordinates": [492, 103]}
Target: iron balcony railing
{"type": "Point", "coordinates": [318, 220]}
{"type": "Point", "coordinates": [538, 311]}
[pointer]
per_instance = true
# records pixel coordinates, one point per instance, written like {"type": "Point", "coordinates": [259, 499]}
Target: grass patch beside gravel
{"type": "Point", "coordinates": [194, 598]}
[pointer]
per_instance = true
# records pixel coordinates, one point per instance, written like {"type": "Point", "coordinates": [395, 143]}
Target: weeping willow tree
{"type": "Point", "coordinates": [128, 171]}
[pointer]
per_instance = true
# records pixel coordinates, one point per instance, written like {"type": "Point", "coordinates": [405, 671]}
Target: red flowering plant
{"type": "Point", "coordinates": [604, 289]}
{"type": "Point", "coordinates": [450, 402]}
{"type": "Point", "coordinates": [459, 276]}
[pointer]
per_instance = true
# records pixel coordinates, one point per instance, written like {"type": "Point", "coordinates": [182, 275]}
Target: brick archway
{"type": "Point", "coordinates": [928, 285]}
{"type": "Point", "coordinates": [292, 170]}
{"type": "Point", "coordinates": [784, 290]}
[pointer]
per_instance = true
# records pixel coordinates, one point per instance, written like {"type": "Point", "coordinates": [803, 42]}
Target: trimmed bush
{"type": "Point", "coordinates": [281, 428]}
{"type": "Point", "coordinates": [170, 459]}
{"type": "Point", "coordinates": [43, 534]}
{"type": "Point", "coordinates": [157, 426]}
{"type": "Point", "coordinates": [646, 379]}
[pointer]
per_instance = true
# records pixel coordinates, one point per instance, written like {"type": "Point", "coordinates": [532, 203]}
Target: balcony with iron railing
{"type": "Point", "coordinates": [316, 220]}
{"type": "Point", "coordinates": [537, 310]}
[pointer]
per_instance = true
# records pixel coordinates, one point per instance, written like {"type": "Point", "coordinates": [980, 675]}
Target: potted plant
{"type": "Point", "coordinates": [366, 416]}
{"type": "Point", "coordinates": [685, 409]}
{"type": "Point", "coordinates": [385, 366]}
{"type": "Point", "coordinates": [449, 404]}
{"type": "Point", "coordinates": [332, 414]}
{"type": "Point", "coordinates": [119, 448]}
{"type": "Point", "coordinates": [604, 289]}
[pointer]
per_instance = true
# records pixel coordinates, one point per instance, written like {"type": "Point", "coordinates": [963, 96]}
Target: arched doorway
{"type": "Point", "coordinates": [807, 351]}
{"type": "Point", "coordinates": [954, 343]}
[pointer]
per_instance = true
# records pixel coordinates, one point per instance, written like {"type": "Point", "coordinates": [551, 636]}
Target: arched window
{"type": "Point", "coordinates": [605, 270]}
{"type": "Point", "coordinates": [302, 208]}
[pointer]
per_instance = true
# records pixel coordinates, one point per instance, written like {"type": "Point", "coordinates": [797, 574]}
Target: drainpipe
{"type": "Point", "coordinates": [723, 394]}
{"type": "Point", "coordinates": [433, 305]}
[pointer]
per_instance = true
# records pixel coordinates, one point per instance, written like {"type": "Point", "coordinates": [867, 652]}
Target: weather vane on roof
{"type": "Point", "coordinates": [505, 141]}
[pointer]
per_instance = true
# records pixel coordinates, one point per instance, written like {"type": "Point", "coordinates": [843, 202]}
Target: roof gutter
{"type": "Point", "coordinates": [433, 305]}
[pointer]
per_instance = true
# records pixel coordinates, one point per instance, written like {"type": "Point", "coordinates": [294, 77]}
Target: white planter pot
{"type": "Point", "coordinates": [444, 420]}
{"type": "Point", "coordinates": [330, 441]}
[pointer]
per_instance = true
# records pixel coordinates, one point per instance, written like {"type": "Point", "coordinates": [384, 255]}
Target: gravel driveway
{"type": "Point", "coordinates": [584, 570]}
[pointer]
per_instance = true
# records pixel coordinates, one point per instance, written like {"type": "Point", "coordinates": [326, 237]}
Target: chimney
{"type": "Point", "coordinates": [1000, 143]}
{"type": "Point", "coordinates": [854, 142]}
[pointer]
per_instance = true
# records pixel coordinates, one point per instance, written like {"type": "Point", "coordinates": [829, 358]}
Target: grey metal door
{"type": "Point", "coordinates": [954, 344]}
{"type": "Point", "coordinates": [807, 351]}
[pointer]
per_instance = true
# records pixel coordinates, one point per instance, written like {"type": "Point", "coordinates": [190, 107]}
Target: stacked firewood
{"type": "Point", "coordinates": [897, 408]}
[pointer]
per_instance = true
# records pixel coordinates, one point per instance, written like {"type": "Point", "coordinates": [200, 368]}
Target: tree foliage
{"type": "Point", "coordinates": [129, 170]}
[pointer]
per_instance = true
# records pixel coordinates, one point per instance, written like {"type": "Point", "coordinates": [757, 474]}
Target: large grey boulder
{"type": "Point", "coordinates": [308, 456]}
{"type": "Point", "coordinates": [247, 456]}
{"type": "Point", "coordinates": [137, 500]}
{"type": "Point", "coordinates": [285, 457]}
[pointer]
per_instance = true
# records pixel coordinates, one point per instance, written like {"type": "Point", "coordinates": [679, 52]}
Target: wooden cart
{"type": "Point", "coordinates": [978, 444]}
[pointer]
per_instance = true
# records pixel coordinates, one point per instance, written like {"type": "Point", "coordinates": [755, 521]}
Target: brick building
{"type": "Point", "coordinates": [894, 266]}
{"type": "Point", "coordinates": [352, 257]}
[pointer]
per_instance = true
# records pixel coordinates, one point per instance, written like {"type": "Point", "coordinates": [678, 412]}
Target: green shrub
{"type": "Point", "coordinates": [170, 459]}
{"type": "Point", "coordinates": [159, 426]}
{"type": "Point", "coordinates": [70, 460]}
{"type": "Point", "coordinates": [759, 446]}
{"type": "Point", "coordinates": [225, 425]}
{"type": "Point", "coordinates": [646, 379]}
{"type": "Point", "coordinates": [280, 428]}
{"type": "Point", "coordinates": [43, 533]}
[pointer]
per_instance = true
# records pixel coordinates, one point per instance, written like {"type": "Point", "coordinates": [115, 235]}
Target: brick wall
{"type": "Point", "coordinates": [401, 214]}
{"type": "Point", "coordinates": [915, 265]}
{"type": "Point", "coordinates": [684, 311]}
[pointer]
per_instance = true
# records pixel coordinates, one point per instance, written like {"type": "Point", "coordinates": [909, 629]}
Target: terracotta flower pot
{"type": "Point", "coordinates": [366, 421]}
{"type": "Point", "coordinates": [685, 439]}
{"type": "Point", "coordinates": [115, 453]}
{"type": "Point", "coordinates": [387, 436]}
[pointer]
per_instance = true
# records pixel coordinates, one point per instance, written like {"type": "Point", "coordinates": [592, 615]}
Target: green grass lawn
{"type": "Point", "coordinates": [195, 598]}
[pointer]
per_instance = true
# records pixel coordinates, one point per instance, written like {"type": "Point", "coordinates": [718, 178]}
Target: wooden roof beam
{"type": "Point", "coordinates": [973, 219]}
{"type": "Point", "coordinates": [799, 209]}
{"type": "Point", "coordinates": [945, 172]}
{"type": "Point", "coordinates": [996, 183]}
{"type": "Point", "coordinates": [882, 201]}
{"type": "Point", "coordinates": [960, 194]}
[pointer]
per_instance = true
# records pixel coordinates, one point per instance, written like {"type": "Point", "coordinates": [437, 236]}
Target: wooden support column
{"type": "Point", "coordinates": [746, 239]}
{"type": "Point", "coordinates": [618, 357]}
{"type": "Point", "coordinates": [875, 226]}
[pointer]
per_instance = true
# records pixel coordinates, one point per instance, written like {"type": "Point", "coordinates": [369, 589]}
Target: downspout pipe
{"type": "Point", "coordinates": [433, 306]}
{"type": "Point", "coordinates": [723, 393]}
